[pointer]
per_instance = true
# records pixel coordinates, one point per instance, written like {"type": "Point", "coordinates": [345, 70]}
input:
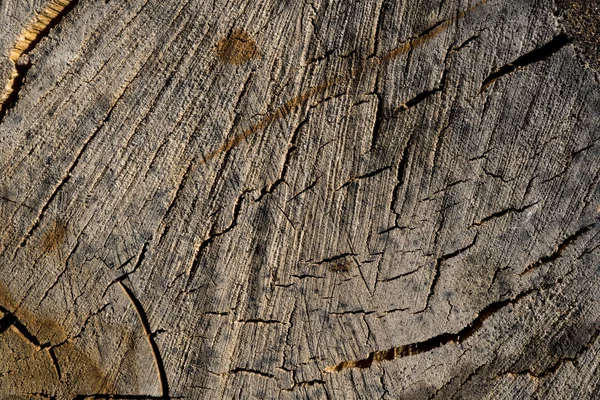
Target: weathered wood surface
{"type": "Point", "coordinates": [284, 199]}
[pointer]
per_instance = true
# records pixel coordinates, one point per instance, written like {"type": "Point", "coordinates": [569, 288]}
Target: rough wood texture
{"type": "Point", "coordinates": [283, 199]}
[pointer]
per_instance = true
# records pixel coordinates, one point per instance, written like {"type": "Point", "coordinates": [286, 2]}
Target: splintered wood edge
{"type": "Point", "coordinates": [39, 26]}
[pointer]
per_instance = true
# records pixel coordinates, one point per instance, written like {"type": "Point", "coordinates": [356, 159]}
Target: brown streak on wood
{"type": "Point", "coordinates": [295, 102]}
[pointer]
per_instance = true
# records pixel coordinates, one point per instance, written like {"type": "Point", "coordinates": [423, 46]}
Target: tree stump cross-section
{"type": "Point", "coordinates": [285, 199]}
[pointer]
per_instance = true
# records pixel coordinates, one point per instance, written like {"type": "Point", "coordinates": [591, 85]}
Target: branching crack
{"type": "Point", "coordinates": [213, 235]}
{"type": "Point", "coordinates": [438, 264]}
{"type": "Point", "coordinates": [432, 343]}
{"type": "Point", "coordinates": [10, 319]}
{"type": "Point", "coordinates": [558, 363]}
{"type": "Point", "coordinates": [137, 265]}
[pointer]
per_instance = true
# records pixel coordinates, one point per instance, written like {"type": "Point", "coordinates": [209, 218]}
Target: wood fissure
{"type": "Point", "coordinates": [31, 35]}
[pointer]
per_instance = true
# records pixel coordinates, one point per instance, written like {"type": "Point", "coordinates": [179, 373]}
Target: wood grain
{"type": "Point", "coordinates": [340, 200]}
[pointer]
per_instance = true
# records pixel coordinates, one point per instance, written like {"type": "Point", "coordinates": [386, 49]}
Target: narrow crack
{"type": "Point", "coordinates": [365, 176]}
{"type": "Point", "coordinates": [559, 249]}
{"type": "Point", "coordinates": [213, 235]}
{"type": "Point", "coordinates": [250, 371]}
{"type": "Point", "coordinates": [334, 258]}
{"type": "Point", "coordinates": [502, 213]}
{"type": "Point", "coordinates": [438, 265]}
{"type": "Point", "coordinates": [306, 189]}
{"type": "Point", "coordinates": [419, 98]}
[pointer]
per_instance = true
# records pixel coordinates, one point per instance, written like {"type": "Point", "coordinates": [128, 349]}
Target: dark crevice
{"type": "Point", "coordinates": [557, 253]}
{"type": "Point", "coordinates": [164, 384]}
{"type": "Point", "coordinates": [213, 235]}
{"type": "Point", "coordinates": [540, 54]}
{"type": "Point", "coordinates": [306, 189]}
{"type": "Point", "coordinates": [465, 43]}
{"type": "Point", "coordinates": [419, 98]}
{"type": "Point", "coordinates": [393, 310]}
{"type": "Point", "coordinates": [379, 115]}
{"type": "Point", "coordinates": [138, 263]}
{"type": "Point", "coordinates": [501, 213]}
{"type": "Point", "coordinates": [305, 383]}
{"type": "Point", "coordinates": [55, 363]}
{"type": "Point", "coordinates": [305, 276]}
{"type": "Point", "coordinates": [433, 343]}
{"type": "Point", "coordinates": [11, 319]}
{"type": "Point", "coordinates": [6, 322]}
{"type": "Point", "coordinates": [251, 371]}
{"type": "Point", "coordinates": [400, 276]}
{"type": "Point", "coordinates": [320, 58]}
{"type": "Point", "coordinates": [334, 258]}
{"type": "Point", "coordinates": [260, 321]}
{"type": "Point", "coordinates": [365, 176]}
{"type": "Point", "coordinates": [401, 176]}
{"type": "Point", "coordinates": [438, 265]}
{"type": "Point", "coordinates": [362, 312]}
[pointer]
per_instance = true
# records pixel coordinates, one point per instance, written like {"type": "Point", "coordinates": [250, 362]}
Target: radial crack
{"type": "Point", "coordinates": [162, 375]}
{"type": "Point", "coordinates": [432, 343]}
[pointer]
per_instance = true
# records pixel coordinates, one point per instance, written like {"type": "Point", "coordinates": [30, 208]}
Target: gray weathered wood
{"type": "Point", "coordinates": [284, 199]}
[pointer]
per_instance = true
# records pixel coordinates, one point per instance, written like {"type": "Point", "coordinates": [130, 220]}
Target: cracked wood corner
{"type": "Point", "coordinates": [29, 37]}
